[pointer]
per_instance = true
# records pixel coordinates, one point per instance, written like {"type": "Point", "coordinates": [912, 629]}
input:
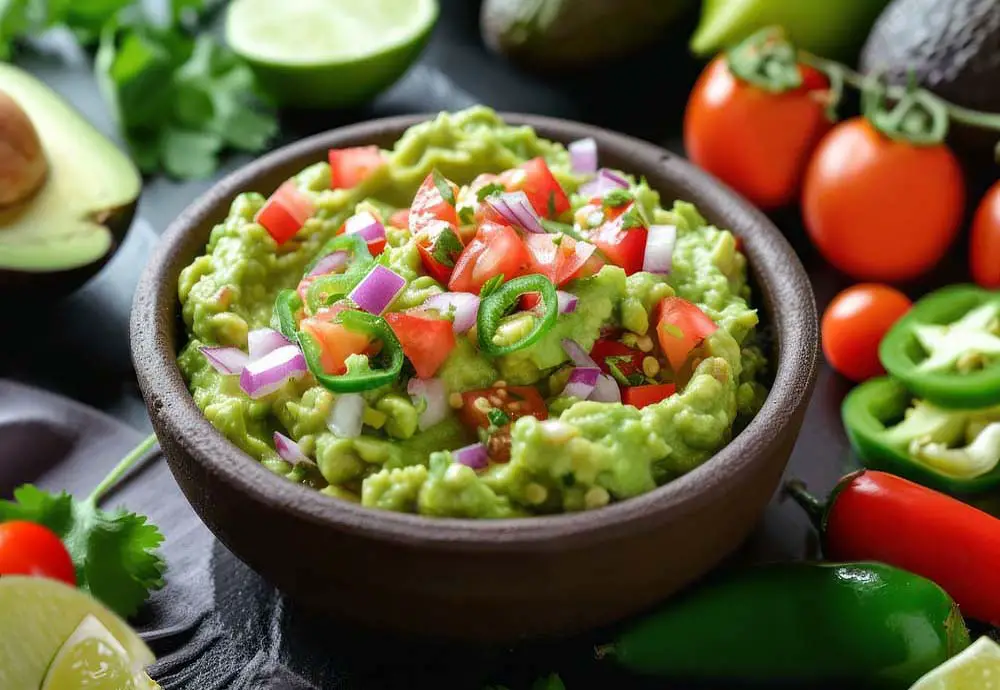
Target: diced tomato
{"type": "Point", "coordinates": [285, 212]}
{"type": "Point", "coordinates": [429, 206]}
{"type": "Point", "coordinates": [627, 360]}
{"type": "Point", "coordinates": [681, 327]}
{"type": "Point", "coordinates": [426, 341]}
{"type": "Point", "coordinates": [400, 219]}
{"type": "Point", "coordinates": [376, 247]}
{"type": "Point", "coordinates": [496, 250]}
{"type": "Point", "coordinates": [560, 261]}
{"type": "Point", "coordinates": [514, 401]}
{"type": "Point", "coordinates": [640, 396]}
{"type": "Point", "coordinates": [544, 254]}
{"type": "Point", "coordinates": [350, 167]}
{"type": "Point", "coordinates": [434, 221]}
{"type": "Point", "coordinates": [336, 342]}
{"type": "Point", "coordinates": [540, 186]}
{"type": "Point", "coordinates": [624, 246]}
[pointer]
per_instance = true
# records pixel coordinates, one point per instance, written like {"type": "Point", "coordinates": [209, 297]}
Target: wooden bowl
{"type": "Point", "coordinates": [470, 579]}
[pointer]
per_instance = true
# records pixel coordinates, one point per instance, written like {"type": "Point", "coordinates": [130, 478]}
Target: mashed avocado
{"type": "Point", "coordinates": [573, 454]}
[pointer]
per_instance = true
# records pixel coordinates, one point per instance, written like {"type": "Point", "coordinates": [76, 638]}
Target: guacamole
{"type": "Point", "coordinates": [471, 324]}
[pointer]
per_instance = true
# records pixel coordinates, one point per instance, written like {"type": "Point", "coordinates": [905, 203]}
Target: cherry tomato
{"type": "Point", "coordinates": [285, 212]}
{"type": "Point", "coordinates": [756, 142]}
{"type": "Point", "coordinates": [496, 250]}
{"type": "Point", "coordinates": [27, 548]}
{"type": "Point", "coordinates": [984, 250]}
{"type": "Point", "coordinates": [514, 401]}
{"type": "Point", "coordinates": [680, 328]}
{"type": "Point", "coordinates": [336, 342]}
{"type": "Point", "coordinates": [640, 396]}
{"type": "Point", "coordinates": [540, 186]}
{"type": "Point", "coordinates": [426, 341]}
{"type": "Point", "coordinates": [878, 209]}
{"type": "Point", "coordinates": [854, 325]}
{"type": "Point", "coordinates": [350, 167]}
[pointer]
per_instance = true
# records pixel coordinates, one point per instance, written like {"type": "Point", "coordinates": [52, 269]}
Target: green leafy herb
{"type": "Point", "coordinates": [498, 418]}
{"type": "Point", "coordinates": [489, 190]}
{"type": "Point", "coordinates": [446, 248]}
{"type": "Point", "coordinates": [633, 379]}
{"type": "Point", "coordinates": [114, 552]}
{"type": "Point", "coordinates": [633, 218]}
{"type": "Point", "coordinates": [616, 198]}
{"type": "Point", "coordinates": [552, 205]}
{"type": "Point", "coordinates": [491, 286]}
{"type": "Point", "coordinates": [467, 215]}
{"type": "Point", "coordinates": [444, 187]}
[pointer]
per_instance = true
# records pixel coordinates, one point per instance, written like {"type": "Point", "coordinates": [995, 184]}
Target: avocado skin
{"type": "Point", "coordinates": [561, 34]}
{"type": "Point", "coordinates": [953, 49]}
{"type": "Point", "coordinates": [32, 286]}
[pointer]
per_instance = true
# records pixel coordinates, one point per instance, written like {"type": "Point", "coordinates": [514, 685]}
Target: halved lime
{"type": "Point", "coordinates": [976, 668]}
{"type": "Point", "coordinates": [38, 617]}
{"type": "Point", "coordinates": [92, 658]}
{"type": "Point", "coordinates": [329, 53]}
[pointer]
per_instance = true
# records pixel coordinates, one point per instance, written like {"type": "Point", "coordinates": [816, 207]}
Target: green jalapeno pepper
{"type": "Point", "coordinates": [354, 245]}
{"type": "Point", "coordinates": [946, 349]}
{"type": "Point", "coordinates": [360, 375]}
{"type": "Point", "coordinates": [286, 305]}
{"type": "Point", "coordinates": [327, 289]}
{"type": "Point", "coordinates": [495, 306]}
{"type": "Point", "coordinates": [855, 625]}
{"type": "Point", "coordinates": [956, 451]}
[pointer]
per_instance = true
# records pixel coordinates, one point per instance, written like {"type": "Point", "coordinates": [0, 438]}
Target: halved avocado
{"type": "Point", "coordinates": [67, 222]}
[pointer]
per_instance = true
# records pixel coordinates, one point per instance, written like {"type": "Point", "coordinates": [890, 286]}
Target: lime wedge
{"type": "Point", "coordinates": [92, 658]}
{"type": "Point", "coordinates": [38, 617]}
{"type": "Point", "coordinates": [976, 668]}
{"type": "Point", "coordinates": [328, 53]}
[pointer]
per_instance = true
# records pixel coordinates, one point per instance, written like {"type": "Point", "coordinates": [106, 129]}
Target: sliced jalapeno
{"type": "Point", "coordinates": [495, 306]}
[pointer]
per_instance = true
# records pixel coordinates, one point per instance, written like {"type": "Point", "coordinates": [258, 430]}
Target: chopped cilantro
{"type": "Point", "coordinates": [498, 418]}
{"type": "Point", "coordinates": [467, 215]}
{"type": "Point", "coordinates": [489, 190]}
{"type": "Point", "coordinates": [446, 248]}
{"type": "Point", "coordinates": [444, 187]}
{"type": "Point", "coordinates": [633, 219]}
{"type": "Point", "coordinates": [633, 379]}
{"type": "Point", "coordinates": [617, 197]}
{"type": "Point", "coordinates": [568, 480]}
{"type": "Point", "coordinates": [552, 205]}
{"type": "Point", "coordinates": [491, 286]}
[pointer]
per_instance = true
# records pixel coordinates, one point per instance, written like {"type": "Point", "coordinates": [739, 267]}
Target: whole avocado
{"type": "Point", "coordinates": [553, 34]}
{"type": "Point", "coordinates": [952, 47]}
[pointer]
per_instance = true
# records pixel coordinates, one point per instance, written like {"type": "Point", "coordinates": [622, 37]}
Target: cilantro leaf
{"type": "Point", "coordinates": [489, 190]}
{"type": "Point", "coordinates": [497, 417]}
{"type": "Point", "coordinates": [633, 379]}
{"type": "Point", "coordinates": [467, 215]}
{"type": "Point", "coordinates": [617, 197]}
{"type": "Point", "coordinates": [552, 205]}
{"type": "Point", "coordinates": [491, 286]}
{"type": "Point", "coordinates": [444, 187]}
{"type": "Point", "coordinates": [446, 248]}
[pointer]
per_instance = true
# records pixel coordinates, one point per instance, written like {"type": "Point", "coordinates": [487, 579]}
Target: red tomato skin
{"type": "Point", "coordinates": [27, 548]}
{"type": "Point", "coordinates": [641, 396]}
{"type": "Point", "coordinates": [539, 185]}
{"type": "Point", "coordinates": [854, 325]}
{"type": "Point", "coordinates": [519, 401]}
{"type": "Point", "coordinates": [624, 247]}
{"type": "Point", "coordinates": [285, 212]}
{"type": "Point", "coordinates": [400, 219]}
{"type": "Point", "coordinates": [337, 343]}
{"type": "Point", "coordinates": [350, 167]}
{"type": "Point", "coordinates": [881, 210]}
{"type": "Point", "coordinates": [429, 206]}
{"type": "Point", "coordinates": [433, 267]}
{"type": "Point", "coordinates": [496, 249]}
{"type": "Point", "coordinates": [984, 247]}
{"type": "Point", "coordinates": [693, 323]}
{"type": "Point", "coordinates": [426, 341]}
{"type": "Point", "coordinates": [608, 347]}
{"type": "Point", "coordinates": [757, 142]}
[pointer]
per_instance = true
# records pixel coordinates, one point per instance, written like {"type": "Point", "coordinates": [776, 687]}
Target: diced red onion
{"type": "Point", "coordinates": [583, 155]}
{"type": "Point", "coordinates": [269, 373]}
{"type": "Point", "coordinates": [462, 305]}
{"type": "Point", "coordinates": [473, 456]}
{"type": "Point", "coordinates": [567, 302]}
{"type": "Point", "coordinates": [605, 181]}
{"type": "Point", "coordinates": [660, 242]}
{"type": "Point", "coordinates": [226, 360]}
{"type": "Point", "coordinates": [333, 262]}
{"type": "Point", "coordinates": [606, 389]}
{"type": "Point", "coordinates": [378, 289]}
{"type": "Point", "coordinates": [346, 416]}
{"type": "Point", "coordinates": [516, 209]}
{"type": "Point", "coordinates": [577, 354]}
{"type": "Point", "coordinates": [265, 340]}
{"type": "Point", "coordinates": [289, 450]}
{"type": "Point", "coordinates": [582, 381]}
{"type": "Point", "coordinates": [366, 225]}
{"type": "Point", "coordinates": [435, 397]}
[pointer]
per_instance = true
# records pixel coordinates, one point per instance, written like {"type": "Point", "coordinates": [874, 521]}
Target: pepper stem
{"type": "Point", "coordinates": [115, 475]}
{"type": "Point", "coordinates": [814, 507]}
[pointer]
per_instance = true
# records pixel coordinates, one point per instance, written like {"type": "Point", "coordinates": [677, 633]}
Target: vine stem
{"type": "Point", "coordinates": [859, 81]}
{"type": "Point", "coordinates": [115, 475]}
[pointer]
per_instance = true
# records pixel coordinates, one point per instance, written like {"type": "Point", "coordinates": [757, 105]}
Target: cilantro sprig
{"type": "Point", "coordinates": [114, 552]}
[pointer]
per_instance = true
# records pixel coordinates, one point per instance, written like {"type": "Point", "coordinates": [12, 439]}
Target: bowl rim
{"type": "Point", "coordinates": [777, 270]}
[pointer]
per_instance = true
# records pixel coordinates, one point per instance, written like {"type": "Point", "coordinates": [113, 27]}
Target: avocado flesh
{"type": "Point", "coordinates": [75, 219]}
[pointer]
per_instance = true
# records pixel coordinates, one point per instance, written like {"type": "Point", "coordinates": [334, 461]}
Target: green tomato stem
{"type": "Point", "coordinates": [115, 475]}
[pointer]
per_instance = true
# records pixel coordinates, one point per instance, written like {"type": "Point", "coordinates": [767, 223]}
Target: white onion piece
{"type": "Point", "coordinates": [435, 398]}
{"type": "Point", "coordinates": [474, 456]}
{"type": "Point", "coordinates": [583, 155]}
{"type": "Point", "coordinates": [333, 262]}
{"type": "Point", "coordinates": [265, 340]}
{"type": "Point", "coordinates": [605, 181]}
{"type": "Point", "coordinates": [289, 450]}
{"type": "Point", "coordinates": [346, 415]}
{"type": "Point", "coordinates": [606, 390]}
{"type": "Point", "coordinates": [377, 290]}
{"type": "Point", "coordinates": [226, 360]}
{"type": "Point", "coordinates": [577, 353]}
{"type": "Point", "coordinates": [270, 372]}
{"type": "Point", "coordinates": [463, 306]}
{"type": "Point", "coordinates": [660, 241]}
{"type": "Point", "coordinates": [567, 302]}
{"type": "Point", "coordinates": [516, 209]}
{"type": "Point", "coordinates": [365, 225]}
{"type": "Point", "coordinates": [582, 382]}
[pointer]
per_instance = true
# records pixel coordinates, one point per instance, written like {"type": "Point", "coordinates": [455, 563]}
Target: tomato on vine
{"type": "Point", "coordinates": [984, 247]}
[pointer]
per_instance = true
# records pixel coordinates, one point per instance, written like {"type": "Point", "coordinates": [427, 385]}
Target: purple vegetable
{"type": "Point", "coordinates": [377, 290]}
{"type": "Point", "coordinates": [473, 456]}
{"type": "Point", "coordinates": [226, 360]}
{"type": "Point", "coordinates": [289, 450]}
{"type": "Point", "coordinates": [270, 372]}
{"type": "Point", "coordinates": [583, 155]}
{"type": "Point", "coordinates": [366, 225]}
{"type": "Point", "coordinates": [582, 381]}
{"type": "Point", "coordinates": [265, 340]}
{"type": "Point", "coordinates": [516, 209]}
{"type": "Point", "coordinates": [605, 181]}
{"type": "Point", "coordinates": [333, 262]}
{"type": "Point", "coordinates": [567, 302]}
{"type": "Point", "coordinates": [463, 306]}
